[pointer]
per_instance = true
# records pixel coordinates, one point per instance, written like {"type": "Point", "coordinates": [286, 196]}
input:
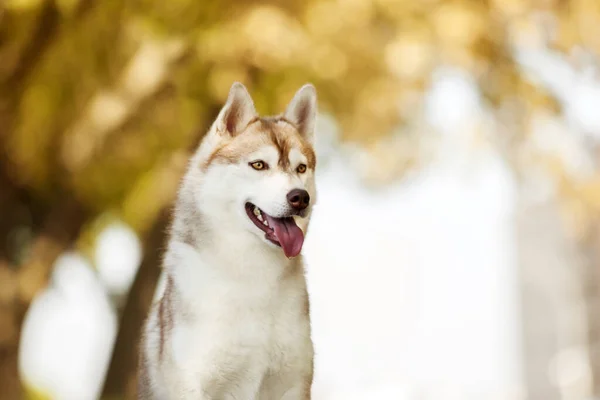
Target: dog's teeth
{"type": "Point", "coordinates": [256, 211]}
{"type": "Point", "coordinates": [259, 217]}
{"type": "Point", "coordinates": [265, 223]}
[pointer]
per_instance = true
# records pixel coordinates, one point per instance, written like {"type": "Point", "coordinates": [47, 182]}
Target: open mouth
{"type": "Point", "coordinates": [281, 231]}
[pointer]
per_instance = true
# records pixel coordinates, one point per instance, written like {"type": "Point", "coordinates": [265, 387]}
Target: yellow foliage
{"type": "Point", "coordinates": [22, 5]}
{"type": "Point", "coordinates": [31, 393]}
{"type": "Point", "coordinates": [119, 87]}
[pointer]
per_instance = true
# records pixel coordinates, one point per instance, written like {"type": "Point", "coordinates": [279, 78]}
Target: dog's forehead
{"type": "Point", "coordinates": [274, 137]}
{"type": "Point", "coordinates": [297, 157]}
{"type": "Point", "coordinates": [291, 147]}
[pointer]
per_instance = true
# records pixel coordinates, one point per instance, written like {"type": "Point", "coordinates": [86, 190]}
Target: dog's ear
{"type": "Point", "coordinates": [302, 111]}
{"type": "Point", "coordinates": [237, 112]}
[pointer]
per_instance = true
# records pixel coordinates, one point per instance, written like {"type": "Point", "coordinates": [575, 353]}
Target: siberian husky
{"type": "Point", "coordinates": [233, 320]}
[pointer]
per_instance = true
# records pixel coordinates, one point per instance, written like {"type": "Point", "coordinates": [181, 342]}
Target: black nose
{"type": "Point", "coordinates": [298, 199]}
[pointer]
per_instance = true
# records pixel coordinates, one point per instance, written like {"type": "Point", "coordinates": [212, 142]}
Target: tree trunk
{"type": "Point", "coordinates": [121, 376]}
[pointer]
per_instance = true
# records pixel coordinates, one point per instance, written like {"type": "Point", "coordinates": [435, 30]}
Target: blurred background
{"type": "Point", "coordinates": [454, 252]}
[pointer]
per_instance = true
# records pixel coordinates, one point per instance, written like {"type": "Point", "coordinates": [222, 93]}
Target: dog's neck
{"type": "Point", "coordinates": [200, 259]}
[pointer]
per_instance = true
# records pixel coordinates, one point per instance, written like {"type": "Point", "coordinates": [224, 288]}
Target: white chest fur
{"type": "Point", "coordinates": [237, 325]}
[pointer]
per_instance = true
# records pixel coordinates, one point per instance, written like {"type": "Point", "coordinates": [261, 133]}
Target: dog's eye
{"type": "Point", "coordinates": [301, 168]}
{"type": "Point", "coordinates": [258, 165]}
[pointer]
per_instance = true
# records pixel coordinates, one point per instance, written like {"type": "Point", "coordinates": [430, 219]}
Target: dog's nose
{"type": "Point", "coordinates": [298, 199]}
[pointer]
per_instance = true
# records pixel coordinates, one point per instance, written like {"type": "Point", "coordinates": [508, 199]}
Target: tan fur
{"type": "Point", "coordinates": [260, 132]}
{"type": "Point", "coordinates": [165, 315]}
{"type": "Point", "coordinates": [143, 380]}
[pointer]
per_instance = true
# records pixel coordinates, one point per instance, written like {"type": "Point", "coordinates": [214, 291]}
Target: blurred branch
{"type": "Point", "coordinates": [9, 380]}
{"type": "Point", "coordinates": [121, 376]}
{"type": "Point", "coordinates": [35, 49]}
{"type": "Point", "coordinates": [9, 376]}
{"type": "Point", "coordinates": [61, 228]}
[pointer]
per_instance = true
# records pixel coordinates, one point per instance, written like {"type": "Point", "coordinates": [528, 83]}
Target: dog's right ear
{"type": "Point", "coordinates": [237, 112]}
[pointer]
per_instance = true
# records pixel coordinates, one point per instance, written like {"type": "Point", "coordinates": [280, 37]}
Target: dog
{"type": "Point", "coordinates": [233, 320]}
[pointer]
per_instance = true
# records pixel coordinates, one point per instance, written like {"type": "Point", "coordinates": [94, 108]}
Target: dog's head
{"type": "Point", "coordinates": [257, 174]}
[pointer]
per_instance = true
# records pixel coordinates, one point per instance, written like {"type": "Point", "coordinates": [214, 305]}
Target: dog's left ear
{"type": "Point", "coordinates": [302, 111]}
{"type": "Point", "coordinates": [237, 112]}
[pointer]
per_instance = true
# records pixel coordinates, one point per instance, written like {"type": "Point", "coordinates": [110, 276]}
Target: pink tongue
{"type": "Point", "coordinates": [287, 233]}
